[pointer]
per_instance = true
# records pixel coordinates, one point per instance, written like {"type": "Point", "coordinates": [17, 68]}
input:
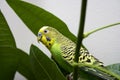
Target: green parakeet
{"type": "Point", "coordinates": [63, 51]}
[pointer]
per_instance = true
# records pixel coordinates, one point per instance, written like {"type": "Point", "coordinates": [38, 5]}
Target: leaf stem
{"type": "Point", "coordinates": [80, 36]}
{"type": "Point", "coordinates": [101, 28]}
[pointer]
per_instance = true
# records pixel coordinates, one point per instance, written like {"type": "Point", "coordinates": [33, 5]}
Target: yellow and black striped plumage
{"type": "Point", "coordinates": [68, 51]}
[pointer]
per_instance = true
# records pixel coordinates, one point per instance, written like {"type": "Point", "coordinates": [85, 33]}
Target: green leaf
{"type": "Point", "coordinates": [43, 67]}
{"type": "Point", "coordinates": [114, 68]}
{"type": "Point", "coordinates": [8, 63]}
{"type": "Point", "coordinates": [12, 59]}
{"type": "Point", "coordinates": [25, 66]}
{"type": "Point", "coordinates": [35, 17]}
{"type": "Point", "coordinates": [6, 38]}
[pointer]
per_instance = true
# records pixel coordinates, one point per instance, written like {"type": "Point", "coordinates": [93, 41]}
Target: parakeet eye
{"type": "Point", "coordinates": [46, 31]}
{"type": "Point", "coordinates": [39, 34]}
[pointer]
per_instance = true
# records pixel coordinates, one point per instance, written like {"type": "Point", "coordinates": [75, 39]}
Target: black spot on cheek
{"type": "Point", "coordinates": [49, 43]}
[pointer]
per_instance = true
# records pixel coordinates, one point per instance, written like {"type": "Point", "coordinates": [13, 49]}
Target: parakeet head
{"type": "Point", "coordinates": [47, 36]}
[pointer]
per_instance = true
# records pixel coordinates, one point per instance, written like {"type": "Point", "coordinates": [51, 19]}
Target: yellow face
{"type": "Point", "coordinates": [45, 36]}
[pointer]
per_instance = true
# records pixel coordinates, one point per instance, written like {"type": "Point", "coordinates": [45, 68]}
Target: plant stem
{"type": "Point", "coordinates": [101, 28]}
{"type": "Point", "coordinates": [80, 36]}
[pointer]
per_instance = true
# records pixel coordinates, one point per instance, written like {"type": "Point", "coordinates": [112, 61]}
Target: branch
{"type": "Point", "coordinates": [98, 29]}
{"type": "Point", "coordinates": [80, 36]}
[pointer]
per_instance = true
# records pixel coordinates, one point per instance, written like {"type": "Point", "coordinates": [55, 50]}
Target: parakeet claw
{"type": "Point", "coordinates": [70, 76]}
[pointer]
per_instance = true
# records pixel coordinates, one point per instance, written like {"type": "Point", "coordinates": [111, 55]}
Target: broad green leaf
{"type": "Point", "coordinates": [114, 68]}
{"type": "Point", "coordinates": [43, 67]}
{"type": "Point", "coordinates": [6, 38]}
{"type": "Point", "coordinates": [12, 59]}
{"type": "Point", "coordinates": [35, 17]}
{"type": "Point", "coordinates": [8, 63]}
{"type": "Point", "coordinates": [25, 67]}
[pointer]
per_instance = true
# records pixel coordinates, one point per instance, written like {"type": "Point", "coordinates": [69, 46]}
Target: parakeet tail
{"type": "Point", "coordinates": [101, 75]}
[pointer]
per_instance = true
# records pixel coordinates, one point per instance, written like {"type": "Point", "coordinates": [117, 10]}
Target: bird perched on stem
{"type": "Point", "coordinates": [63, 51]}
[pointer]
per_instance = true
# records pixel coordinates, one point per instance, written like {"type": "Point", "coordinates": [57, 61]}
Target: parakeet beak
{"type": "Point", "coordinates": [38, 39]}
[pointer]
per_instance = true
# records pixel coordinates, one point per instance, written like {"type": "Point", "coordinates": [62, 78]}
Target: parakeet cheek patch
{"type": "Point", "coordinates": [48, 39]}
